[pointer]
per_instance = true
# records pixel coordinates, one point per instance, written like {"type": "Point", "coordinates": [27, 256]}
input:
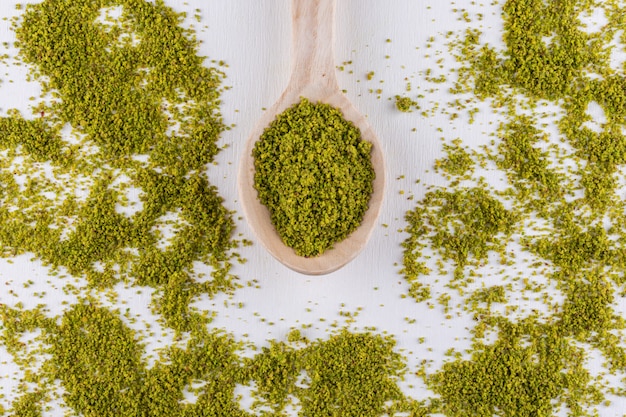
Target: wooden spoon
{"type": "Point", "coordinates": [313, 77]}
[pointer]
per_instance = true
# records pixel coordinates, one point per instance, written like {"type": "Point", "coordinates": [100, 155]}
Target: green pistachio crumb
{"type": "Point", "coordinates": [314, 173]}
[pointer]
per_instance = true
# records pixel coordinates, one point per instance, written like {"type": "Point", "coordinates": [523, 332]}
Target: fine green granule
{"type": "Point", "coordinates": [540, 67]}
{"type": "Point", "coordinates": [349, 374]}
{"type": "Point", "coordinates": [354, 373]}
{"type": "Point", "coordinates": [458, 162]}
{"type": "Point", "coordinates": [528, 166]}
{"type": "Point", "coordinates": [143, 113]}
{"type": "Point", "coordinates": [314, 174]}
{"type": "Point", "coordinates": [406, 104]}
{"type": "Point", "coordinates": [495, 294]}
{"type": "Point", "coordinates": [98, 361]}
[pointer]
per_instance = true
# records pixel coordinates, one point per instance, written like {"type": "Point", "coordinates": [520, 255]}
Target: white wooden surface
{"type": "Point", "coordinates": [253, 38]}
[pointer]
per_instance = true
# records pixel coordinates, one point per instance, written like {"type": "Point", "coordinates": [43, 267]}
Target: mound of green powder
{"type": "Point", "coordinates": [314, 174]}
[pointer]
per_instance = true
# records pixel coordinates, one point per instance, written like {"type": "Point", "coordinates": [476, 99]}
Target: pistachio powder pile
{"type": "Point", "coordinates": [554, 233]}
{"type": "Point", "coordinates": [314, 174]}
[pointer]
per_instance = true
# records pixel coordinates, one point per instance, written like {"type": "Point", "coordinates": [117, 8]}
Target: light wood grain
{"type": "Point", "coordinates": [313, 76]}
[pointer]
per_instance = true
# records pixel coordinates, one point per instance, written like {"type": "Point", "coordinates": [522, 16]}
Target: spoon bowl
{"type": "Point", "coordinates": [312, 77]}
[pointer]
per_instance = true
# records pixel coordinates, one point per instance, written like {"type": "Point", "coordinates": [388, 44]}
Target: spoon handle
{"type": "Point", "coordinates": [313, 61]}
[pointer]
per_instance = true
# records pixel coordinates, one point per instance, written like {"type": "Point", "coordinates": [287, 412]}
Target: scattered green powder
{"type": "Point", "coordinates": [536, 364]}
{"type": "Point", "coordinates": [98, 360]}
{"type": "Point", "coordinates": [458, 161]}
{"type": "Point", "coordinates": [348, 374]}
{"type": "Point", "coordinates": [462, 225]}
{"type": "Point", "coordinates": [528, 371]}
{"type": "Point", "coordinates": [134, 90]}
{"type": "Point", "coordinates": [144, 115]}
{"type": "Point", "coordinates": [366, 387]}
{"type": "Point", "coordinates": [314, 174]}
{"type": "Point", "coordinates": [496, 294]}
{"type": "Point", "coordinates": [152, 99]}
{"type": "Point", "coordinates": [526, 165]}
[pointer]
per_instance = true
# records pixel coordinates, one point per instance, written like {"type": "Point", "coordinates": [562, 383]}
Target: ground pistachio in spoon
{"type": "Point", "coordinates": [314, 173]}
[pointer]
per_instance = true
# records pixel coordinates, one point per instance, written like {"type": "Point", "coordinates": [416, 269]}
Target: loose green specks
{"type": "Point", "coordinates": [553, 221]}
{"type": "Point", "coordinates": [144, 120]}
{"type": "Point", "coordinates": [98, 361]}
{"type": "Point", "coordinates": [314, 174]}
{"type": "Point", "coordinates": [115, 153]}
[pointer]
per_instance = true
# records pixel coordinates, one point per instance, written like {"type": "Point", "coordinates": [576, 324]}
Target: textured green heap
{"type": "Point", "coordinates": [314, 174]}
